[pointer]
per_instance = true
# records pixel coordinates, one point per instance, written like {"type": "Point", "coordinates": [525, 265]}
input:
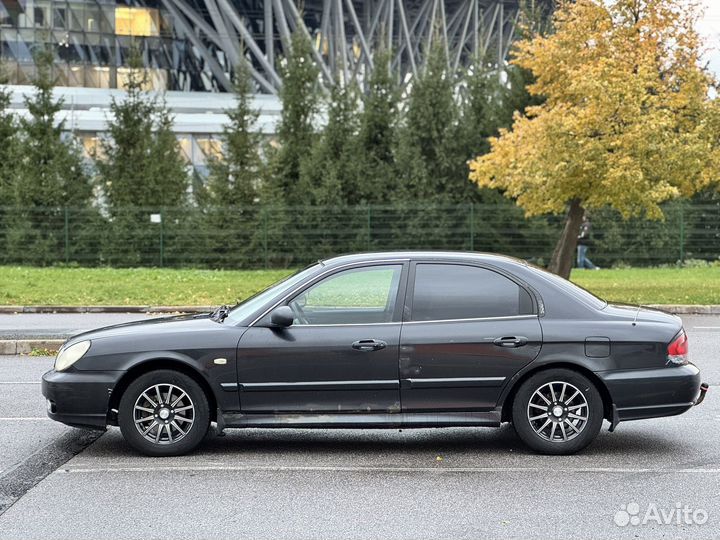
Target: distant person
{"type": "Point", "coordinates": [583, 242]}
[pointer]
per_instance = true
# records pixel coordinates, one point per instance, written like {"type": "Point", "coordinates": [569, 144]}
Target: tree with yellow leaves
{"type": "Point", "coordinates": [627, 121]}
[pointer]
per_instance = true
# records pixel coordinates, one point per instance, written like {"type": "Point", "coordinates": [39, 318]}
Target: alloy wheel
{"type": "Point", "coordinates": [164, 413]}
{"type": "Point", "coordinates": [558, 411]}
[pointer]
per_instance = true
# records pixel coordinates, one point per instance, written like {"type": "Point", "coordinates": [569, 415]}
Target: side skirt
{"type": "Point", "coordinates": [362, 420]}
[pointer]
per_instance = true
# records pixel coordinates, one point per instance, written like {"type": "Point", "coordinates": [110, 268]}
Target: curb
{"type": "Point", "coordinates": [13, 310]}
{"type": "Point", "coordinates": [25, 346]}
{"type": "Point", "coordinates": [687, 309]}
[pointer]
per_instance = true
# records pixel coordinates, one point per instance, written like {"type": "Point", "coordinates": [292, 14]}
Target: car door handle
{"type": "Point", "coordinates": [511, 341]}
{"type": "Point", "coordinates": [367, 345]}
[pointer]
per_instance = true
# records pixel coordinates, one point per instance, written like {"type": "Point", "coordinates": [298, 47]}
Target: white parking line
{"type": "Point", "coordinates": [249, 468]}
{"type": "Point", "coordinates": [706, 328]}
{"type": "Point", "coordinates": [28, 418]}
{"type": "Point", "coordinates": [19, 382]}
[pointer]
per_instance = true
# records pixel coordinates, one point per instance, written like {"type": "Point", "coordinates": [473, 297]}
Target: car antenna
{"type": "Point", "coordinates": [321, 262]}
{"type": "Point", "coordinates": [634, 323]}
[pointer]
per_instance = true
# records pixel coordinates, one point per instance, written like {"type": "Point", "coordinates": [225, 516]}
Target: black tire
{"type": "Point", "coordinates": [194, 404]}
{"type": "Point", "coordinates": [570, 434]}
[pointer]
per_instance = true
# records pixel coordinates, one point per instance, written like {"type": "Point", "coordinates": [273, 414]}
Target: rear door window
{"type": "Point", "coordinates": [454, 291]}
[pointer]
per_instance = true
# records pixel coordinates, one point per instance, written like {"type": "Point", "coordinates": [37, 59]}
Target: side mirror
{"type": "Point", "coordinates": [282, 316]}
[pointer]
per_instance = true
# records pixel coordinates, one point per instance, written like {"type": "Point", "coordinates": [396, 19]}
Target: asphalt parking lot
{"type": "Point", "coordinates": [451, 483]}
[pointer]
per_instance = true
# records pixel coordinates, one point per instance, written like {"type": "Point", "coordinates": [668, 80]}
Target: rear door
{"type": "Point", "coordinates": [467, 330]}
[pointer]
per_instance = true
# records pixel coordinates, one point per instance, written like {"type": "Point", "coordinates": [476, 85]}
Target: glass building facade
{"type": "Point", "coordinates": [189, 49]}
{"type": "Point", "coordinates": [194, 45]}
{"type": "Point", "coordinates": [92, 41]}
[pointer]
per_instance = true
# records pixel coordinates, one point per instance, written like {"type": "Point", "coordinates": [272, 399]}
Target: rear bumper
{"type": "Point", "coordinates": [79, 398]}
{"type": "Point", "coordinates": [651, 393]}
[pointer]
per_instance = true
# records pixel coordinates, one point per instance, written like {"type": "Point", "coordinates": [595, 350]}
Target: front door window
{"type": "Point", "coordinates": [357, 296]}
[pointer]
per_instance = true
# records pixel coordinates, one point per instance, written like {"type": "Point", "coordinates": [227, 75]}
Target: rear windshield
{"type": "Point", "coordinates": [569, 287]}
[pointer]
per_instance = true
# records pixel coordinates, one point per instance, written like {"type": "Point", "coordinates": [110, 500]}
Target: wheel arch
{"type": "Point", "coordinates": [507, 401]}
{"type": "Point", "coordinates": [155, 364]}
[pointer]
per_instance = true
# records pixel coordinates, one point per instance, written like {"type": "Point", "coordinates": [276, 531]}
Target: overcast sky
{"type": "Point", "coordinates": [710, 28]}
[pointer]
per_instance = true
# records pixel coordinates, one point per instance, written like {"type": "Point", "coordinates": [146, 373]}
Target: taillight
{"type": "Point", "coordinates": [677, 351]}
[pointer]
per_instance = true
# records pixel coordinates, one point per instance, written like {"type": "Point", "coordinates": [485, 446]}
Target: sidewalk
{"type": "Point", "coordinates": [59, 325]}
{"type": "Point", "coordinates": [15, 310]}
{"type": "Point", "coordinates": [21, 333]}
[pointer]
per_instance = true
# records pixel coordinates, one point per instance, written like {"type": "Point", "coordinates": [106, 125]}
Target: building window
{"type": "Point", "coordinates": [156, 79]}
{"type": "Point", "coordinates": [210, 148]}
{"type": "Point", "coordinates": [41, 16]}
{"type": "Point", "coordinates": [92, 147]}
{"type": "Point", "coordinates": [59, 18]}
{"type": "Point", "coordinates": [136, 21]}
{"type": "Point", "coordinates": [185, 144]}
{"type": "Point", "coordinates": [97, 77]}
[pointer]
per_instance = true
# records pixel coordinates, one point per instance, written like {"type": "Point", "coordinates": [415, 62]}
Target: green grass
{"type": "Point", "coordinates": [43, 352]}
{"type": "Point", "coordinates": [26, 286]}
{"type": "Point", "coordinates": [153, 286]}
{"type": "Point", "coordinates": [653, 285]}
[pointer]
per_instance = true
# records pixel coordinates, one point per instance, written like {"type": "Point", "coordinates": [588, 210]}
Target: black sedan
{"type": "Point", "coordinates": [388, 340]}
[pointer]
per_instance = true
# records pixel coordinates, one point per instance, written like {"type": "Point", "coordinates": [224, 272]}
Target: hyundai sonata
{"type": "Point", "coordinates": [387, 340]}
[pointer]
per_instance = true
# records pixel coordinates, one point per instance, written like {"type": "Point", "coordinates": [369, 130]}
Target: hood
{"type": "Point", "coordinates": [155, 325]}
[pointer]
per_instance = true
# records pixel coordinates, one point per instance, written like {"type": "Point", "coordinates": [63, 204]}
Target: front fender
{"type": "Point", "coordinates": [211, 359]}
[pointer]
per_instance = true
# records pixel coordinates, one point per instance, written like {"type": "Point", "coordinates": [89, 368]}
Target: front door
{"type": "Point", "coordinates": [340, 355]}
{"type": "Point", "coordinates": [468, 330]}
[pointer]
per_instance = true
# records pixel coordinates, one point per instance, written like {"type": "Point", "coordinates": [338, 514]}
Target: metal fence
{"type": "Point", "coordinates": [279, 237]}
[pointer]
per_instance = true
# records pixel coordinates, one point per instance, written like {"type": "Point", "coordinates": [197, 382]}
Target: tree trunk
{"type": "Point", "coordinates": [563, 256]}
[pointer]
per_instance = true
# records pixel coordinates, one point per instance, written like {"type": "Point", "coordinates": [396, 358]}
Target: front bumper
{"type": "Point", "coordinates": [79, 398]}
{"type": "Point", "coordinates": [651, 393]}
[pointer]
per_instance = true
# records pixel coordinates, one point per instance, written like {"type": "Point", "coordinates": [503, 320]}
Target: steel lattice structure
{"type": "Point", "coordinates": [345, 33]}
{"type": "Point", "coordinates": [197, 44]}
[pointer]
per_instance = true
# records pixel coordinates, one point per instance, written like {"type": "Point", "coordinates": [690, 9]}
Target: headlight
{"type": "Point", "coordinates": [67, 357]}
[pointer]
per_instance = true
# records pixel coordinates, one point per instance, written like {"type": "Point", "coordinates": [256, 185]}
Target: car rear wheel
{"type": "Point", "coordinates": [164, 413]}
{"type": "Point", "coordinates": [557, 411]}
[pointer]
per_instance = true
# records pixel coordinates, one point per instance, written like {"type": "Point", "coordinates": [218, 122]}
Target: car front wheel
{"type": "Point", "coordinates": [557, 411]}
{"type": "Point", "coordinates": [164, 413]}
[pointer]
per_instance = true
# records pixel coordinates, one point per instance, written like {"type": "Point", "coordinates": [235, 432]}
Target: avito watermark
{"type": "Point", "coordinates": [680, 514]}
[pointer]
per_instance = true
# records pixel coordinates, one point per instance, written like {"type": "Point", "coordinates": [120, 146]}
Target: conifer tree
{"type": "Point", "coordinates": [8, 143]}
{"type": "Point", "coordinates": [232, 190]}
{"type": "Point", "coordinates": [140, 172]}
{"type": "Point", "coordinates": [140, 163]}
{"type": "Point", "coordinates": [234, 176]}
{"type": "Point", "coordinates": [295, 131]}
{"type": "Point", "coordinates": [424, 151]}
{"type": "Point", "coordinates": [329, 173]}
{"type": "Point", "coordinates": [47, 177]}
{"type": "Point", "coordinates": [375, 171]}
{"type": "Point", "coordinates": [50, 169]}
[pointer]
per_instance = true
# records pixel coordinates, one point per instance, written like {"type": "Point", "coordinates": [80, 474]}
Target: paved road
{"type": "Point", "coordinates": [452, 483]}
{"type": "Point", "coordinates": [59, 326]}
{"type": "Point", "coordinates": [31, 445]}
{"type": "Point", "coordinates": [20, 405]}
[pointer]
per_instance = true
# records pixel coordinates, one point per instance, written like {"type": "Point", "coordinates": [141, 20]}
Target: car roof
{"type": "Point", "coordinates": [434, 255]}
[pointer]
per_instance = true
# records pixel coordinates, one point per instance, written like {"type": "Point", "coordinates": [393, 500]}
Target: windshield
{"type": "Point", "coordinates": [247, 307]}
{"type": "Point", "coordinates": [571, 288]}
